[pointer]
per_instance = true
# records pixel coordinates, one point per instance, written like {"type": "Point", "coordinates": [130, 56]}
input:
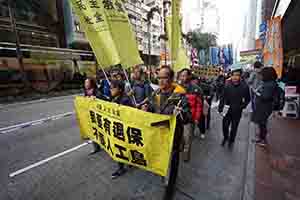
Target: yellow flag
{"type": "Point", "coordinates": [179, 58]}
{"type": "Point", "coordinates": [122, 33]}
{"type": "Point", "coordinates": [128, 135]}
{"type": "Point", "coordinates": [106, 25]}
{"type": "Point", "coordinates": [96, 28]}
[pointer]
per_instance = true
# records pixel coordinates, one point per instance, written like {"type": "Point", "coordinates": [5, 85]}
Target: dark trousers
{"type": "Point", "coordinates": [262, 131]}
{"type": "Point", "coordinates": [121, 165]}
{"type": "Point", "coordinates": [231, 120]}
{"type": "Point", "coordinates": [201, 124]}
{"type": "Point", "coordinates": [209, 101]}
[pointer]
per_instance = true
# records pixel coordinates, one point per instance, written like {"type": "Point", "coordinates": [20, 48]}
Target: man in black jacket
{"type": "Point", "coordinates": [237, 96]}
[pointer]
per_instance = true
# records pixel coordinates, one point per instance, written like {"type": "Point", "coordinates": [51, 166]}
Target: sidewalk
{"type": "Point", "coordinates": [278, 168]}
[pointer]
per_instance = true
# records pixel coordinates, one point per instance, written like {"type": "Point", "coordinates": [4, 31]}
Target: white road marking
{"type": "Point", "coordinates": [10, 130]}
{"type": "Point", "coordinates": [32, 123]}
{"type": "Point", "coordinates": [18, 172]}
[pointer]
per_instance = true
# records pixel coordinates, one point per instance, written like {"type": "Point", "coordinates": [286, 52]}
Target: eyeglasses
{"type": "Point", "coordinates": [163, 77]}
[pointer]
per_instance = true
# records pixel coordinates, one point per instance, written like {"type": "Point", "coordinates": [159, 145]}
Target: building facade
{"type": "Point", "coordinates": [37, 22]}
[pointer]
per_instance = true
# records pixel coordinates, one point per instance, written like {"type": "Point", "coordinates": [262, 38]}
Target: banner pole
{"type": "Point", "coordinates": [106, 77]}
{"type": "Point", "coordinates": [127, 79]}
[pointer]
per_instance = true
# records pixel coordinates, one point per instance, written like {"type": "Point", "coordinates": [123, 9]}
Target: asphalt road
{"type": "Point", "coordinates": [214, 172]}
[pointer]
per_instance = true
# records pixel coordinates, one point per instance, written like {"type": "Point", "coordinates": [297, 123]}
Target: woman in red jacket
{"type": "Point", "coordinates": [193, 94]}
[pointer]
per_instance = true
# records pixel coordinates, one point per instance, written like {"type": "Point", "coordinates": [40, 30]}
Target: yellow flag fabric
{"type": "Point", "coordinates": [182, 60]}
{"type": "Point", "coordinates": [179, 59]}
{"type": "Point", "coordinates": [123, 35]}
{"type": "Point", "coordinates": [107, 28]}
{"type": "Point", "coordinates": [128, 135]}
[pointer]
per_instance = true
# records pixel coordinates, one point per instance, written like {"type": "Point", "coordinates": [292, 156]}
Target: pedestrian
{"type": "Point", "coordinates": [193, 95]}
{"type": "Point", "coordinates": [237, 96]}
{"type": "Point", "coordinates": [220, 83]}
{"type": "Point", "coordinates": [119, 96]}
{"type": "Point", "coordinates": [207, 89]}
{"type": "Point", "coordinates": [90, 89]}
{"type": "Point", "coordinates": [170, 99]}
{"type": "Point", "coordinates": [264, 98]}
{"type": "Point", "coordinates": [140, 88]}
{"type": "Point", "coordinates": [254, 81]}
{"type": "Point", "coordinates": [116, 74]}
{"type": "Point", "coordinates": [103, 91]}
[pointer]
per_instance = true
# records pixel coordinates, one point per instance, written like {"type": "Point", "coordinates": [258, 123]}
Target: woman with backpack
{"type": "Point", "coordinates": [265, 96]}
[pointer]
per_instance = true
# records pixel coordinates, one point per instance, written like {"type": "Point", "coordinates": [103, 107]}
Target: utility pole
{"type": "Point", "coordinates": [11, 10]}
{"type": "Point", "coordinates": [149, 44]}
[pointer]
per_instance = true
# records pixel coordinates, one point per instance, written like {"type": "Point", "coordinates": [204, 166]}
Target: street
{"type": "Point", "coordinates": [213, 173]}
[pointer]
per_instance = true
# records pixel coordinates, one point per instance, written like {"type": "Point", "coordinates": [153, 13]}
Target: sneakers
{"type": "Point", "coordinates": [202, 136]}
{"type": "Point", "coordinates": [119, 172]}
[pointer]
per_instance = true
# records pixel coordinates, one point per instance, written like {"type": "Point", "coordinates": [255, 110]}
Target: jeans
{"type": "Point", "coordinates": [188, 133]}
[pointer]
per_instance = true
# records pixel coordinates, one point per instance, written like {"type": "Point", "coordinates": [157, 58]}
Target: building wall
{"type": "Point", "coordinates": [36, 24]}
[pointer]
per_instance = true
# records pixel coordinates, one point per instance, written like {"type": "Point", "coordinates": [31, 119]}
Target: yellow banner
{"type": "Point", "coordinates": [128, 135]}
{"type": "Point", "coordinates": [107, 28]}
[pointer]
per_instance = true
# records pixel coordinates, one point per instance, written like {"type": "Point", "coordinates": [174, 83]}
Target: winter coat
{"type": "Point", "coordinates": [123, 100]}
{"type": "Point", "coordinates": [164, 103]}
{"type": "Point", "coordinates": [264, 102]}
{"type": "Point", "coordinates": [104, 90]}
{"type": "Point", "coordinates": [194, 97]}
{"type": "Point", "coordinates": [255, 80]}
{"type": "Point", "coordinates": [195, 104]}
{"type": "Point", "coordinates": [141, 91]}
{"type": "Point", "coordinates": [236, 96]}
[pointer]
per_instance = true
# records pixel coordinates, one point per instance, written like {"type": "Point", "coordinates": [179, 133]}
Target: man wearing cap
{"type": "Point", "coordinates": [236, 96]}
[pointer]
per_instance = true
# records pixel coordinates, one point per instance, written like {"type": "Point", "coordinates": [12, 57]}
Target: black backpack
{"type": "Point", "coordinates": [279, 98]}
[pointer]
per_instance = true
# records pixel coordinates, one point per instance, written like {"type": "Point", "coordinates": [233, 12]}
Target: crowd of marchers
{"type": "Point", "coordinates": [190, 98]}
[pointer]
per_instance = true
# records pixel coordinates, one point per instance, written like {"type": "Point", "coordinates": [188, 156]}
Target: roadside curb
{"type": "Point", "coordinates": [248, 192]}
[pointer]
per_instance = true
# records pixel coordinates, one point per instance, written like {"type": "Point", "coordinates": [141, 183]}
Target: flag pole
{"type": "Point", "coordinates": [127, 79]}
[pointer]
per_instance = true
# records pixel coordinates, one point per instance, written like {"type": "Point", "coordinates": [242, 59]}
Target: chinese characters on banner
{"type": "Point", "coordinates": [273, 50]}
{"type": "Point", "coordinates": [107, 27]}
{"type": "Point", "coordinates": [128, 135]}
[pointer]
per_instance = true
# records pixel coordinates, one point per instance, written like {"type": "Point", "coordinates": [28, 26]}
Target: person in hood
{"type": "Point", "coordinates": [236, 96]}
